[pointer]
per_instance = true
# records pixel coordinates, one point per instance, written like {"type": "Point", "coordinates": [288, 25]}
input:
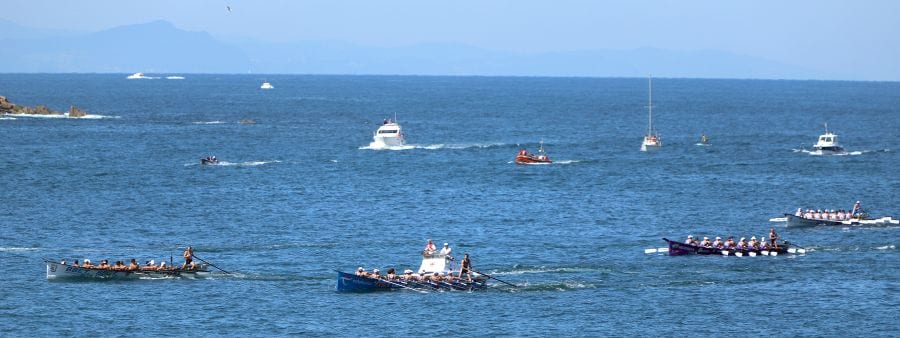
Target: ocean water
{"type": "Point", "coordinates": [301, 195]}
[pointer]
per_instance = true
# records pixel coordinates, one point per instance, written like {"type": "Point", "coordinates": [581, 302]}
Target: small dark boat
{"type": "Point", "coordinates": [679, 249]}
{"type": "Point", "coordinates": [209, 160]}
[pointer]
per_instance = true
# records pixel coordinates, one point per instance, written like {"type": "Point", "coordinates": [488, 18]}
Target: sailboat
{"type": "Point", "coordinates": [651, 140]}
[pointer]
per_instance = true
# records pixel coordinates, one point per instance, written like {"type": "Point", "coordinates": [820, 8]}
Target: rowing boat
{"type": "Point", "coordinates": [433, 264]}
{"type": "Point", "coordinates": [679, 249]}
{"type": "Point", "coordinates": [59, 270]}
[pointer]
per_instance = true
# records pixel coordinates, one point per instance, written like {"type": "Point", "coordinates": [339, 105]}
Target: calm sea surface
{"type": "Point", "coordinates": [301, 195]}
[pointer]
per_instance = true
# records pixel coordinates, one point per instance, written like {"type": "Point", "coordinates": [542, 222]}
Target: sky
{"type": "Point", "coordinates": [855, 38]}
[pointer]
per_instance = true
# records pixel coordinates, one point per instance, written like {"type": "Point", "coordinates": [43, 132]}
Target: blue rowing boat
{"type": "Point", "coordinates": [435, 273]}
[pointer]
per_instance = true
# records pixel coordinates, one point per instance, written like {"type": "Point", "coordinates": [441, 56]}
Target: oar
{"type": "Point", "coordinates": [802, 250]}
{"type": "Point", "coordinates": [403, 286]}
{"type": "Point", "coordinates": [211, 264]}
{"type": "Point", "coordinates": [495, 278]}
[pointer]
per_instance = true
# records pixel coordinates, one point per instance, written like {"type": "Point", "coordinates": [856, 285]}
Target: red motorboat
{"type": "Point", "coordinates": [527, 158]}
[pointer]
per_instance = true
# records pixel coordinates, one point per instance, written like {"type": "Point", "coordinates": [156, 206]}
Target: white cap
{"type": "Point", "coordinates": [407, 271]}
{"type": "Point", "coordinates": [743, 238]}
{"type": "Point", "coordinates": [717, 237]}
{"type": "Point", "coordinates": [162, 264]}
{"type": "Point", "coordinates": [152, 262]}
{"type": "Point", "coordinates": [704, 237]}
{"type": "Point", "coordinates": [754, 237]}
{"type": "Point", "coordinates": [690, 236]}
{"type": "Point", "coordinates": [445, 244]}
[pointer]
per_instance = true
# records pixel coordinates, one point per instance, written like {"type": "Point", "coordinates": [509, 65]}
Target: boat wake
{"type": "Point", "coordinates": [438, 146]}
{"type": "Point", "coordinates": [846, 153]}
{"type": "Point", "coordinates": [384, 147]}
{"type": "Point", "coordinates": [235, 164]}
{"type": "Point", "coordinates": [175, 77]}
{"type": "Point", "coordinates": [209, 122]}
{"type": "Point", "coordinates": [7, 118]}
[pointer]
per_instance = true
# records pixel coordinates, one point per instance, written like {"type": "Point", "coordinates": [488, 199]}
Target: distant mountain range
{"type": "Point", "coordinates": [160, 47]}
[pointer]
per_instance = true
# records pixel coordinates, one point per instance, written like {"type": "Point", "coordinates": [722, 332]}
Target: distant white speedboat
{"type": "Point", "coordinates": [389, 134]}
{"type": "Point", "coordinates": [266, 85]}
{"type": "Point", "coordinates": [828, 143]}
{"type": "Point", "coordinates": [137, 76]}
{"type": "Point", "coordinates": [651, 140]}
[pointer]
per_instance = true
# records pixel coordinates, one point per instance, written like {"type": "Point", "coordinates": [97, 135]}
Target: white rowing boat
{"type": "Point", "coordinates": [59, 270]}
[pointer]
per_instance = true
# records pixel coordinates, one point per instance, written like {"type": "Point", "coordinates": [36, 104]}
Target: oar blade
{"type": "Point", "coordinates": [650, 251]}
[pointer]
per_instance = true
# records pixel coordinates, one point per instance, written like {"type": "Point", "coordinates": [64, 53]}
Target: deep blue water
{"type": "Point", "coordinates": [300, 199]}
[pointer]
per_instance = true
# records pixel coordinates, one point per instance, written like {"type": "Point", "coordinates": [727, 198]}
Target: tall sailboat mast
{"type": "Point", "coordinates": [650, 105]}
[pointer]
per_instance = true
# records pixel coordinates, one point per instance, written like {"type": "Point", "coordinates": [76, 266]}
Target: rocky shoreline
{"type": "Point", "coordinates": [9, 108]}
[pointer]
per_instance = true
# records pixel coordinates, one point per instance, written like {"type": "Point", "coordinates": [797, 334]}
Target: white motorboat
{"type": "Point", "coordinates": [266, 85]}
{"type": "Point", "coordinates": [828, 143]}
{"type": "Point", "coordinates": [389, 134]}
{"type": "Point", "coordinates": [137, 76]}
{"type": "Point", "coordinates": [651, 140]}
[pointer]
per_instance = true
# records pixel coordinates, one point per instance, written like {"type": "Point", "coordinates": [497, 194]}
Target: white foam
{"type": "Point", "coordinates": [16, 249]}
{"type": "Point", "coordinates": [175, 77]}
{"type": "Point", "coordinates": [64, 116]}
{"type": "Point", "coordinates": [373, 146]}
{"type": "Point", "coordinates": [7, 118]}
{"type": "Point", "coordinates": [566, 161]}
{"type": "Point", "coordinates": [208, 122]}
{"type": "Point", "coordinates": [886, 247]}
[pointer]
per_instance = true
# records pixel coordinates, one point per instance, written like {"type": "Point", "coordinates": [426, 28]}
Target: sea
{"type": "Point", "coordinates": [300, 194]}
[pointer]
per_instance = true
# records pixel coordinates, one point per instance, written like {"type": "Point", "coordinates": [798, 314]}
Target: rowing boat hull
{"type": "Point", "coordinates": [56, 271]}
{"type": "Point", "coordinates": [347, 282]}
{"type": "Point", "coordinates": [679, 249]}
{"type": "Point", "coordinates": [795, 221]}
{"type": "Point", "coordinates": [531, 160]}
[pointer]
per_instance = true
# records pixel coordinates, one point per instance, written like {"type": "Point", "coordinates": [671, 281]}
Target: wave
{"type": "Point", "coordinates": [17, 249]}
{"type": "Point", "coordinates": [64, 116]}
{"type": "Point", "coordinates": [7, 118]}
{"type": "Point", "coordinates": [209, 122]}
{"type": "Point", "coordinates": [554, 286]}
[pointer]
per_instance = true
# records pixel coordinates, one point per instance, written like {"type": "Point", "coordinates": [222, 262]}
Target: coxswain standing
{"type": "Point", "coordinates": [465, 267]}
{"type": "Point", "coordinates": [188, 258]}
{"type": "Point", "coordinates": [773, 238]}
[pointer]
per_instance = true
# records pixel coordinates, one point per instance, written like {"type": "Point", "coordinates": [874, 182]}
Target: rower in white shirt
{"type": "Point", "coordinates": [446, 249]}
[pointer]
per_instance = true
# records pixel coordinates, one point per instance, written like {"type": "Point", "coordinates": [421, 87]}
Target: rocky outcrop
{"type": "Point", "coordinates": [7, 107]}
{"type": "Point", "coordinates": [75, 112]}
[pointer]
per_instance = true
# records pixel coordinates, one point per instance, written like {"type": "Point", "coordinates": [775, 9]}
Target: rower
{"type": "Point", "coordinates": [133, 265]}
{"type": "Point", "coordinates": [718, 242]}
{"type": "Point", "coordinates": [361, 272]}
{"type": "Point", "coordinates": [706, 242]}
{"type": "Point", "coordinates": [690, 240]}
{"type": "Point", "coordinates": [753, 244]}
{"type": "Point", "coordinates": [375, 274]}
{"type": "Point", "coordinates": [742, 243]}
{"type": "Point", "coordinates": [799, 213]}
{"type": "Point", "coordinates": [857, 208]}
{"type": "Point", "coordinates": [391, 274]}
{"type": "Point", "coordinates": [729, 243]}
{"type": "Point", "coordinates": [87, 264]}
{"type": "Point", "coordinates": [407, 275]}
